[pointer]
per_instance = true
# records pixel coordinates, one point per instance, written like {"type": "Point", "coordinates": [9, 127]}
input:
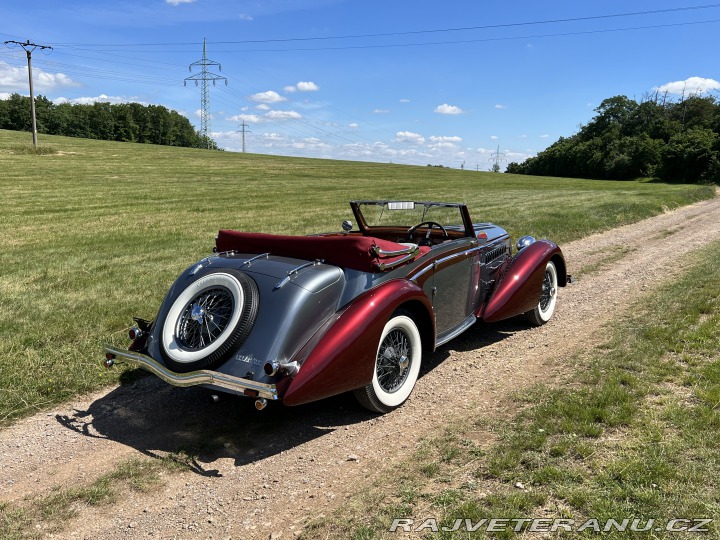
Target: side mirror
{"type": "Point", "coordinates": [347, 225]}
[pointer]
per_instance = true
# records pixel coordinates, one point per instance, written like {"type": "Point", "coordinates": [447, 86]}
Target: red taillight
{"type": "Point", "coordinates": [251, 393]}
{"type": "Point", "coordinates": [135, 333]}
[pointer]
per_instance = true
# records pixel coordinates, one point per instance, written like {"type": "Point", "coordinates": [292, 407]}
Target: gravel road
{"type": "Point", "coordinates": [264, 474]}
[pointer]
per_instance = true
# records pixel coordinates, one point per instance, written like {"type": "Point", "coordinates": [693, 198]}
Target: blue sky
{"type": "Point", "coordinates": [395, 81]}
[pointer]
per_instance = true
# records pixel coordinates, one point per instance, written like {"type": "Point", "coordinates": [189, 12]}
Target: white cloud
{"type": "Point", "coordinates": [500, 106]}
{"type": "Point", "coordinates": [544, 136]}
{"type": "Point", "coordinates": [263, 107]}
{"type": "Point", "coordinates": [692, 85]}
{"type": "Point", "coordinates": [404, 100]}
{"type": "Point", "coordinates": [453, 139]}
{"type": "Point", "coordinates": [307, 86]}
{"type": "Point", "coordinates": [283, 115]}
{"type": "Point", "coordinates": [4, 96]}
{"type": "Point", "coordinates": [245, 17]}
{"type": "Point", "coordinates": [494, 137]}
{"type": "Point", "coordinates": [267, 97]}
{"type": "Point", "coordinates": [269, 116]}
{"type": "Point", "coordinates": [302, 86]}
{"type": "Point", "coordinates": [16, 79]}
{"type": "Point", "coordinates": [381, 111]}
{"type": "Point", "coordinates": [408, 147]}
{"type": "Point", "coordinates": [523, 136]}
{"type": "Point", "coordinates": [102, 98]}
{"type": "Point", "coordinates": [353, 125]}
{"type": "Point", "coordinates": [178, 2]}
{"type": "Point", "coordinates": [409, 137]}
{"type": "Point", "coordinates": [250, 118]}
{"type": "Point", "coordinates": [448, 109]}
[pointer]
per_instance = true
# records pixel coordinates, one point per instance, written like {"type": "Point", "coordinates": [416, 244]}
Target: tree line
{"type": "Point", "coordinates": [124, 122]}
{"type": "Point", "coordinates": [677, 141]}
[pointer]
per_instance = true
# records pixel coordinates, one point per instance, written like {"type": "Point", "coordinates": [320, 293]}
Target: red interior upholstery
{"type": "Point", "coordinates": [346, 251]}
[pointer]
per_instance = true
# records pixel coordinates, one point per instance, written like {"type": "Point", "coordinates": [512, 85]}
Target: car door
{"type": "Point", "coordinates": [454, 288]}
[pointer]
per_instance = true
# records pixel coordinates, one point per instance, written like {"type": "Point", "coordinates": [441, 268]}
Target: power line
{"type": "Point", "coordinates": [29, 48]}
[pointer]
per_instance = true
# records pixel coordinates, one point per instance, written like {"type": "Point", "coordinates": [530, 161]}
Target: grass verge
{"type": "Point", "coordinates": [42, 515]}
{"type": "Point", "coordinates": [28, 149]}
{"type": "Point", "coordinates": [632, 435]}
{"type": "Point", "coordinates": [97, 232]}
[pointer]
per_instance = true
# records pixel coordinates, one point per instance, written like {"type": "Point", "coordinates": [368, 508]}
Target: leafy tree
{"type": "Point", "coordinates": [126, 122]}
{"type": "Point", "coordinates": [674, 141]}
{"type": "Point", "coordinates": [688, 155]}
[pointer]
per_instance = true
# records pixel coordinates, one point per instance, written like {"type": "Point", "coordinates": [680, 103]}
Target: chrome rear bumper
{"type": "Point", "coordinates": [201, 377]}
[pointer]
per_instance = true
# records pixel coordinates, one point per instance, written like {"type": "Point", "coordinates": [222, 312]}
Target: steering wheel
{"type": "Point", "coordinates": [430, 224]}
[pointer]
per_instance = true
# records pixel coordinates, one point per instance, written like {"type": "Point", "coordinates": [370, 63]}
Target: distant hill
{"type": "Point", "coordinates": [124, 122]}
{"type": "Point", "coordinates": [676, 141]}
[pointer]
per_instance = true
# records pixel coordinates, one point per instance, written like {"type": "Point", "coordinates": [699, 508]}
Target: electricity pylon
{"type": "Point", "coordinates": [29, 48]}
{"type": "Point", "coordinates": [496, 158]}
{"type": "Point", "coordinates": [205, 77]}
{"type": "Point", "coordinates": [244, 131]}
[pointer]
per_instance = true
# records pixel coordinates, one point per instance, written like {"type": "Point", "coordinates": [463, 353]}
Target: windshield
{"type": "Point", "coordinates": [407, 214]}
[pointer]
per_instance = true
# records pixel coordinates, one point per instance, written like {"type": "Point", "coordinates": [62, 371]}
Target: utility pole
{"type": "Point", "coordinates": [496, 158]}
{"type": "Point", "coordinates": [205, 77]}
{"type": "Point", "coordinates": [244, 131]}
{"type": "Point", "coordinates": [29, 48]}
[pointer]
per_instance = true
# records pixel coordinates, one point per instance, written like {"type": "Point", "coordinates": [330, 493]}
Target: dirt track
{"type": "Point", "coordinates": [268, 473]}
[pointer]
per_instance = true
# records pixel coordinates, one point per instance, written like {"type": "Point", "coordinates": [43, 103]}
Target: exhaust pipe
{"type": "Point", "coordinates": [273, 368]}
{"type": "Point", "coordinates": [260, 404]}
{"type": "Point", "coordinates": [109, 360]}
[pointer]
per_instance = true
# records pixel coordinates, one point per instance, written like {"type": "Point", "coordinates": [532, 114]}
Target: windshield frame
{"type": "Point", "coordinates": [464, 226]}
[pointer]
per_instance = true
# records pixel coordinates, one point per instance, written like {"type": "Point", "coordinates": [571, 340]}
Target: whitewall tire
{"type": "Point", "coordinates": [397, 365]}
{"type": "Point", "coordinates": [543, 312]}
{"type": "Point", "coordinates": [208, 320]}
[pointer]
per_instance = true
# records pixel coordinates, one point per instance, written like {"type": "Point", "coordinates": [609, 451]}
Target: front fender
{"type": "Point", "coordinates": [520, 287]}
{"type": "Point", "coordinates": [344, 359]}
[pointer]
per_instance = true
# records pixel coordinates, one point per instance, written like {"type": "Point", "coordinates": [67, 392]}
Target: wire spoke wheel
{"type": "Point", "coordinates": [393, 360]}
{"type": "Point", "coordinates": [548, 297]}
{"type": "Point", "coordinates": [397, 365]}
{"type": "Point", "coordinates": [208, 320]}
{"type": "Point", "coordinates": [549, 289]}
{"type": "Point", "coordinates": [205, 318]}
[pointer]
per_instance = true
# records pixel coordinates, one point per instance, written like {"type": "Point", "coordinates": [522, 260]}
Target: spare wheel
{"type": "Point", "coordinates": [209, 320]}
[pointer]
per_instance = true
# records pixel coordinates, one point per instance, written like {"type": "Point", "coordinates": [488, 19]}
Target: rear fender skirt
{"type": "Point", "coordinates": [344, 358]}
{"type": "Point", "coordinates": [519, 289]}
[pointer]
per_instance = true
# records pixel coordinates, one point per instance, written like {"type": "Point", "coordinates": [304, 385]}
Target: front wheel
{"type": "Point", "coordinates": [209, 320]}
{"type": "Point", "coordinates": [548, 297]}
{"type": "Point", "coordinates": [397, 365]}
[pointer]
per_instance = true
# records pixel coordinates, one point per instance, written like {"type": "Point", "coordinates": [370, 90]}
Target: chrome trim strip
{"type": "Point", "coordinates": [462, 253]}
{"type": "Point", "coordinates": [194, 378]}
{"type": "Point", "coordinates": [255, 258]}
{"type": "Point", "coordinates": [467, 323]}
{"type": "Point", "coordinates": [387, 266]}
{"type": "Point", "coordinates": [296, 271]}
{"type": "Point", "coordinates": [410, 250]}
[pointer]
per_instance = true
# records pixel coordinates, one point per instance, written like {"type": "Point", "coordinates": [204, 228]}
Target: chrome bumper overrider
{"type": "Point", "coordinates": [194, 378]}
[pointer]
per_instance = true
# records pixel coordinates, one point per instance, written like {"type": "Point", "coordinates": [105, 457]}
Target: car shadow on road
{"type": "Point", "coordinates": [159, 420]}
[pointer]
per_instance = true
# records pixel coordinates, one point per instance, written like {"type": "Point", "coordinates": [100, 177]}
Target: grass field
{"type": "Point", "coordinates": [95, 232]}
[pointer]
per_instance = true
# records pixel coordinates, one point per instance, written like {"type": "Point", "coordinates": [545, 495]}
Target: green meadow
{"type": "Point", "coordinates": [94, 232]}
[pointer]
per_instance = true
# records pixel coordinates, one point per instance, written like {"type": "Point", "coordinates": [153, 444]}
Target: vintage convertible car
{"type": "Point", "coordinates": [301, 318]}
